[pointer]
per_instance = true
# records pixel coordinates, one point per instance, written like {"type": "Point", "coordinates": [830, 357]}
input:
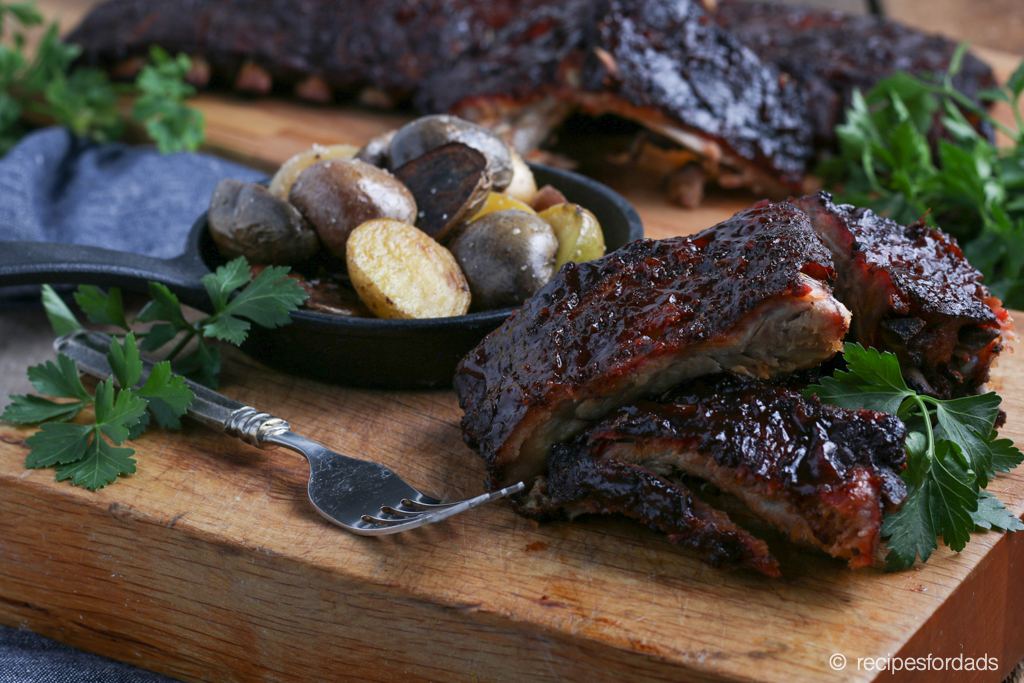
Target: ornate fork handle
{"type": "Point", "coordinates": [213, 410]}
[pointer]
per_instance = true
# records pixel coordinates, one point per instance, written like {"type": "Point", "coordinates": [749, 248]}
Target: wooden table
{"type": "Point", "coordinates": [209, 564]}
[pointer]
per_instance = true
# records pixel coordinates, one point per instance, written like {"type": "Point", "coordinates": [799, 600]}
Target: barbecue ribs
{"type": "Point", "coordinates": [913, 293]}
{"type": "Point", "coordinates": [822, 474]}
{"type": "Point", "coordinates": [745, 100]}
{"type": "Point", "coordinates": [746, 296]}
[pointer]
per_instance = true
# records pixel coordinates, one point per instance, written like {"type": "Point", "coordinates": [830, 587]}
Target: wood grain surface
{"type": "Point", "coordinates": [210, 564]}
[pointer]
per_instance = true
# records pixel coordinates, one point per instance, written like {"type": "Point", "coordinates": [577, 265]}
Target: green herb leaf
{"type": "Point", "coordinates": [36, 409]}
{"type": "Point", "coordinates": [57, 442]}
{"type": "Point", "coordinates": [267, 300]}
{"type": "Point", "coordinates": [992, 514]}
{"type": "Point", "coordinates": [124, 360]}
{"type": "Point", "coordinates": [168, 396]}
{"type": "Point", "coordinates": [940, 500]}
{"type": "Point", "coordinates": [115, 416]}
{"type": "Point", "coordinates": [1005, 456]}
{"type": "Point", "coordinates": [226, 279]}
{"type": "Point", "coordinates": [101, 465]}
{"type": "Point", "coordinates": [873, 382]}
{"type": "Point", "coordinates": [58, 379]}
{"type": "Point", "coordinates": [62, 320]}
{"type": "Point", "coordinates": [164, 306]}
{"type": "Point", "coordinates": [201, 365]}
{"type": "Point", "coordinates": [102, 308]}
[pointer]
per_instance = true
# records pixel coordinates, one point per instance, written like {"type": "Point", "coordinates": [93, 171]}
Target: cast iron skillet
{"type": "Point", "coordinates": [363, 352]}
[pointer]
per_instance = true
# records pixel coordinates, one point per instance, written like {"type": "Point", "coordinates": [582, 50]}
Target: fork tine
{"type": "Point", "coordinates": [392, 526]}
{"type": "Point", "coordinates": [406, 514]}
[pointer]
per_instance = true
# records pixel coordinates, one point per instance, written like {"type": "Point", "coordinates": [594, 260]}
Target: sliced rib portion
{"type": "Point", "coordinates": [822, 474]}
{"type": "Point", "coordinates": [912, 292]}
{"type": "Point", "coordinates": [578, 483]}
{"type": "Point", "coordinates": [746, 296]}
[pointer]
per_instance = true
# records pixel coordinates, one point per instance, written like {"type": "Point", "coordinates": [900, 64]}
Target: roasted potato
{"type": "Point", "coordinates": [338, 195]}
{"type": "Point", "coordinates": [281, 183]}
{"type": "Point", "coordinates": [400, 272]}
{"type": "Point", "coordinates": [547, 197]}
{"type": "Point", "coordinates": [506, 256]}
{"type": "Point", "coordinates": [378, 150]}
{"type": "Point", "coordinates": [498, 201]}
{"type": "Point", "coordinates": [579, 234]}
{"type": "Point", "coordinates": [246, 220]}
{"type": "Point", "coordinates": [523, 185]}
{"type": "Point", "coordinates": [450, 184]}
{"type": "Point", "coordinates": [425, 133]}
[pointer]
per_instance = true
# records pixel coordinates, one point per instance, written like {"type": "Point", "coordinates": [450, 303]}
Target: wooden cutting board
{"type": "Point", "coordinates": [210, 565]}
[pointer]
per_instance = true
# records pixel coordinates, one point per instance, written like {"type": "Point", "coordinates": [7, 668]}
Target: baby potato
{"type": "Point", "coordinates": [246, 220]}
{"type": "Point", "coordinates": [499, 201]}
{"type": "Point", "coordinates": [523, 186]}
{"type": "Point", "coordinates": [427, 132]}
{"type": "Point", "coordinates": [281, 183]}
{"type": "Point", "coordinates": [378, 150]}
{"type": "Point", "coordinates": [338, 195]}
{"type": "Point", "coordinates": [506, 256]}
{"type": "Point", "coordinates": [401, 272]}
{"type": "Point", "coordinates": [579, 234]}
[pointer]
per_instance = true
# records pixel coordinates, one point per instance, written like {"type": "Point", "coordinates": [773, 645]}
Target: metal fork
{"type": "Point", "coordinates": [362, 497]}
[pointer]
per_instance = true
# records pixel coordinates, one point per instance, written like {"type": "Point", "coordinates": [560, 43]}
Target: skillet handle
{"type": "Point", "coordinates": [28, 263]}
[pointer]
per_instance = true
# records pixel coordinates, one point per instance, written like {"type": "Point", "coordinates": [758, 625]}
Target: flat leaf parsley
{"type": "Point", "coordinates": [952, 452]}
{"type": "Point", "coordinates": [91, 453]}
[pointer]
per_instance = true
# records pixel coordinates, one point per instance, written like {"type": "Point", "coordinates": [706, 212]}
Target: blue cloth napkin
{"type": "Point", "coordinates": [55, 187]}
{"type": "Point", "coordinates": [28, 658]}
{"type": "Point", "coordinates": [58, 188]}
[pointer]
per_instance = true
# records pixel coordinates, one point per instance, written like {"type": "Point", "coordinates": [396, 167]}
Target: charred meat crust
{"type": "Point", "coordinates": [662, 60]}
{"type": "Point", "coordinates": [820, 473]}
{"type": "Point", "coordinates": [744, 296]}
{"type": "Point", "coordinates": [913, 293]}
{"type": "Point", "coordinates": [830, 54]}
{"type": "Point", "coordinates": [578, 484]}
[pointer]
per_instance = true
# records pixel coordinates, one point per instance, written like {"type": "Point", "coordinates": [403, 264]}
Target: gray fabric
{"type": "Point", "coordinates": [56, 188]}
{"type": "Point", "coordinates": [28, 658]}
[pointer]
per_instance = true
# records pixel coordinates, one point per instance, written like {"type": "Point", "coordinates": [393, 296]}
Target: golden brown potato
{"type": "Point", "coordinates": [338, 195]}
{"type": "Point", "coordinates": [281, 183]}
{"type": "Point", "coordinates": [246, 220]}
{"type": "Point", "coordinates": [523, 186]}
{"type": "Point", "coordinates": [498, 201]}
{"type": "Point", "coordinates": [400, 272]}
{"type": "Point", "coordinates": [579, 234]}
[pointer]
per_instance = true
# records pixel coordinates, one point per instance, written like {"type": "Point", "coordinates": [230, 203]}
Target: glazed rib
{"type": "Point", "coordinates": [822, 474]}
{"type": "Point", "coordinates": [524, 64]}
{"type": "Point", "coordinates": [580, 484]}
{"type": "Point", "coordinates": [831, 54]}
{"type": "Point", "coordinates": [746, 296]}
{"type": "Point", "coordinates": [913, 293]}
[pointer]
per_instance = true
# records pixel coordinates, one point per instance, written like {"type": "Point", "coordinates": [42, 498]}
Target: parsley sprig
{"type": "Point", "coordinates": [91, 453]}
{"type": "Point", "coordinates": [952, 452]}
{"type": "Point", "coordinates": [266, 300]}
{"type": "Point", "coordinates": [48, 86]}
{"type": "Point", "coordinates": [889, 162]}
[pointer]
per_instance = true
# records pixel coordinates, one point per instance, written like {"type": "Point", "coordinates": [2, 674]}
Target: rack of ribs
{"type": "Point", "coordinates": [912, 292]}
{"type": "Point", "coordinates": [830, 54]}
{"type": "Point", "coordinates": [724, 94]}
{"type": "Point", "coordinates": [746, 296]}
{"type": "Point", "coordinates": [625, 376]}
{"type": "Point", "coordinates": [823, 475]}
